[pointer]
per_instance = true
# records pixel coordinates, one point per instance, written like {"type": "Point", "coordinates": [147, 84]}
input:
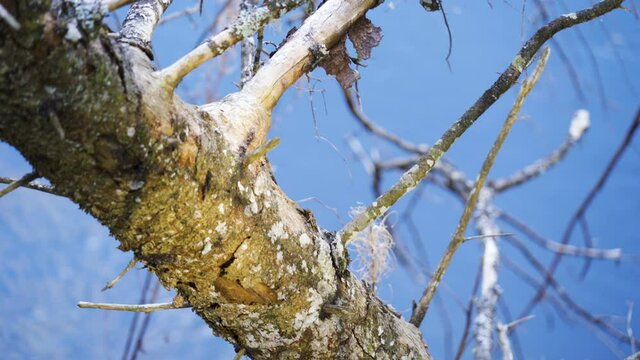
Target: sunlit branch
{"type": "Point", "coordinates": [244, 26]}
{"type": "Point", "coordinates": [304, 48]}
{"type": "Point", "coordinates": [506, 80]}
{"type": "Point", "coordinates": [579, 125]}
{"type": "Point", "coordinates": [458, 237]}
{"type": "Point", "coordinates": [584, 206]}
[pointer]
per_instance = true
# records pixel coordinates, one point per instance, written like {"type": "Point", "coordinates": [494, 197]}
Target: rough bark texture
{"type": "Point", "coordinates": [170, 181]}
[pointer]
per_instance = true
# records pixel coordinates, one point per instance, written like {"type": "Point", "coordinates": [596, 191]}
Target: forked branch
{"type": "Point", "coordinates": [244, 26]}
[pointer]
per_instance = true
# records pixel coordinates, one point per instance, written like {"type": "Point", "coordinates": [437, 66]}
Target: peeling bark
{"type": "Point", "coordinates": [170, 181]}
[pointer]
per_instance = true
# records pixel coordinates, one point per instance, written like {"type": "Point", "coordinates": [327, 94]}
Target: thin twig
{"type": "Point", "coordinates": [376, 129]}
{"type": "Point", "coordinates": [124, 271]}
{"type": "Point", "coordinates": [468, 315]}
{"type": "Point", "coordinates": [559, 248]}
{"type": "Point", "coordinates": [457, 239]}
{"type": "Point", "coordinates": [32, 186]}
{"type": "Point", "coordinates": [9, 19]}
{"type": "Point", "coordinates": [23, 181]}
{"type": "Point", "coordinates": [584, 206]}
{"type": "Point", "coordinates": [486, 236]}
{"type": "Point", "coordinates": [504, 82]}
{"type": "Point", "coordinates": [144, 308]}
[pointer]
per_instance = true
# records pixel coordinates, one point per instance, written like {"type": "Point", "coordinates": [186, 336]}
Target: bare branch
{"type": "Point", "coordinates": [579, 124]}
{"type": "Point", "coordinates": [33, 186]}
{"type": "Point", "coordinates": [377, 129]}
{"type": "Point", "coordinates": [303, 49]}
{"type": "Point", "coordinates": [506, 80]}
{"type": "Point", "coordinates": [559, 248]}
{"type": "Point", "coordinates": [145, 308]}
{"type": "Point", "coordinates": [457, 239]}
{"type": "Point", "coordinates": [564, 296]}
{"type": "Point", "coordinates": [113, 282]}
{"type": "Point", "coordinates": [584, 206]}
{"type": "Point", "coordinates": [243, 27]}
{"type": "Point", "coordinates": [23, 181]}
{"type": "Point", "coordinates": [262, 150]}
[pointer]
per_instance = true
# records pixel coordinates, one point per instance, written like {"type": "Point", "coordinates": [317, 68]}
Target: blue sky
{"type": "Point", "coordinates": [53, 255]}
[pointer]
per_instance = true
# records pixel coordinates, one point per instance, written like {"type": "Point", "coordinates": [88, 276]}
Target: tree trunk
{"type": "Point", "coordinates": [179, 186]}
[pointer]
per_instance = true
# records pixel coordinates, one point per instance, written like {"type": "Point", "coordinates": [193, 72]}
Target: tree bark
{"type": "Point", "coordinates": [172, 183]}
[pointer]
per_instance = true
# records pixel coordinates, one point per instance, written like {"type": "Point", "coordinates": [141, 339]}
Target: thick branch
{"type": "Point", "coordinates": [320, 32]}
{"type": "Point", "coordinates": [140, 23]}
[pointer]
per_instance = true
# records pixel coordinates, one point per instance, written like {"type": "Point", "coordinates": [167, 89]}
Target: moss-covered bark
{"type": "Point", "coordinates": [171, 183]}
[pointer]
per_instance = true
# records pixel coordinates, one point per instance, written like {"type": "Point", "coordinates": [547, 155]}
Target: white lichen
{"type": "Point", "coordinates": [307, 317]}
{"type": "Point", "coordinates": [277, 232]}
{"type": "Point", "coordinates": [373, 248]}
{"type": "Point", "coordinates": [304, 239]}
{"type": "Point", "coordinates": [221, 228]}
{"type": "Point", "coordinates": [207, 246]}
{"type": "Point", "coordinates": [73, 33]}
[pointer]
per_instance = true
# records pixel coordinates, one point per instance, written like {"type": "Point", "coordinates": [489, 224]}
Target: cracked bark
{"type": "Point", "coordinates": [170, 182]}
